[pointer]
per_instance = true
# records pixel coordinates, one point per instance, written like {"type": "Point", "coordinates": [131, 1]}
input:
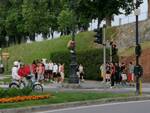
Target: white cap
{"type": "Point", "coordinates": [16, 63]}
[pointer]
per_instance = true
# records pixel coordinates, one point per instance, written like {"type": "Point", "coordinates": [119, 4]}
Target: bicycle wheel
{"type": "Point", "coordinates": [13, 85]}
{"type": "Point", "coordinates": [22, 85]}
{"type": "Point", "coordinates": [37, 88]}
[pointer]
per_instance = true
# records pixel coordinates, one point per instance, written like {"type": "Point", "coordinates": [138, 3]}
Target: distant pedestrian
{"type": "Point", "coordinates": [81, 72]}
{"type": "Point", "coordinates": [40, 72]}
{"type": "Point", "coordinates": [108, 72]}
{"type": "Point", "coordinates": [117, 73]}
{"type": "Point", "coordinates": [131, 73]}
{"type": "Point", "coordinates": [112, 74]}
{"type": "Point", "coordinates": [102, 70]}
{"type": "Point", "coordinates": [62, 73]}
{"type": "Point", "coordinates": [124, 77]}
{"type": "Point", "coordinates": [55, 72]}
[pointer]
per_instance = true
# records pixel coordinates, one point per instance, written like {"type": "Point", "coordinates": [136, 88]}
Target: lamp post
{"type": "Point", "coordinates": [137, 13]}
{"type": "Point", "coordinates": [73, 77]}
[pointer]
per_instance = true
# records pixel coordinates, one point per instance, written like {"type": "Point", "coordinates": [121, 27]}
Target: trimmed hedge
{"type": "Point", "coordinates": [90, 59]}
{"type": "Point", "coordinates": [12, 92]}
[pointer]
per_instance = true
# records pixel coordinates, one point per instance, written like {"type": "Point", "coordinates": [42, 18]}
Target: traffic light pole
{"type": "Point", "coordinates": [137, 56]}
{"type": "Point", "coordinates": [110, 53]}
{"type": "Point", "coordinates": [104, 49]}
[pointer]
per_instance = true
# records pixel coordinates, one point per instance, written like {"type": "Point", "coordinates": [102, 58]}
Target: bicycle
{"type": "Point", "coordinates": [32, 83]}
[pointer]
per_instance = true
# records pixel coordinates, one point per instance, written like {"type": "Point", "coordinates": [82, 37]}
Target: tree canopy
{"type": "Point", "coordinates": [22, 19]}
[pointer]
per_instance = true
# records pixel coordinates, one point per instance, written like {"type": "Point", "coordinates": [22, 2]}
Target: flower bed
{"type": "Point", "coordinates": [23, 98]}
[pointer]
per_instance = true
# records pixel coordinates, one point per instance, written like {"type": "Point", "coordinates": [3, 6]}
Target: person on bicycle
{"type": "Point", "coordinates": [14, 70]}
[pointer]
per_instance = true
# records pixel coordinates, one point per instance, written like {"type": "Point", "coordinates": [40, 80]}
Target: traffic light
{"type": "Point", "coordinates": [138, 70]}
{"type": "Point", "coordinates": [114, 50]}
{"type": "Point", "coordinates": [138, 50]}
{"type": "Point", "coordinates": [98, 36]}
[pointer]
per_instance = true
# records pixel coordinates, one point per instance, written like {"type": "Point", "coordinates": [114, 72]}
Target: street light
{"type": "Point", "coordinates": [73, 77]}
{"type": "Point", "coordinates": [137, 13]}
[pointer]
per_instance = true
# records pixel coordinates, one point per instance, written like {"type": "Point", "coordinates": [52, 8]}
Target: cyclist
{"type": "Point", "coordinates": [14, 74]}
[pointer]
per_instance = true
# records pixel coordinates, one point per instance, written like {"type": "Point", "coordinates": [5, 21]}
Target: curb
{"type": "Point", "coordinates": [74, 104]}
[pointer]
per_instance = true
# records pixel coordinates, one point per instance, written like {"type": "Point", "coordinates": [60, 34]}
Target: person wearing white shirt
{"type": "Point", "coordinates": [55, 71]}
{"type": "Point", "coordinates": [46, 73]}
{"type": "Point", "coordinates": [50, 70]}
{"type": "Point", "coordinates": [14, 74]}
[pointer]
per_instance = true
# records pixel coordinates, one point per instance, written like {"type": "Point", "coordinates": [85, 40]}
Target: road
{"type": "Point", "coordinates": [123, 107]}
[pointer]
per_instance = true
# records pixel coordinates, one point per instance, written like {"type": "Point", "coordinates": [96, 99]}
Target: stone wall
{"type": "Point", "coordinates": [126, 34]}
{"type": "Point", "coordinates": [126, 38]}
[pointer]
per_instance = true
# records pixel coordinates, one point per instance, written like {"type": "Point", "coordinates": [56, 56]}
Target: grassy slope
{"type": "Point", "coordinates": [37, 50]}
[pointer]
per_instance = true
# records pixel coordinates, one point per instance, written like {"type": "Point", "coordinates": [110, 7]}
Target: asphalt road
{"type": "Point", "coordinates": [123, 107]}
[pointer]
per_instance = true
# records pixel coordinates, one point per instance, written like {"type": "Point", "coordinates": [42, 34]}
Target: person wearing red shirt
{"type": "Point", "coordinates": [21, 71]}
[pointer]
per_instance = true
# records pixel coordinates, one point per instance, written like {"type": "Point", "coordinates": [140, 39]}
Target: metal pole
{"type": "Point", "coordinates": [73, 78]}
{"type": "Point", "coordinates": [104, 49]}
{"type": "Point", "coordinates": [137, 57]}
{"type": "Point", "coordinates": [110, 53]}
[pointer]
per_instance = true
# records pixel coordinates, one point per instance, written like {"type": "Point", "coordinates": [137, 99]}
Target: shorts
{"type": "Point", "coordinates": [58, 75]}
{"type": "Point", "coordinates": [50, 72]}
{"type": "Point", "coordinates": [55, 75]}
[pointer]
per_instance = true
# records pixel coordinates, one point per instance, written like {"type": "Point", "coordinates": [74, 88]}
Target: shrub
{"type": "Point", "coordinates": [12, 92]}
{"type": "Point", "coordinates": [90, 59]}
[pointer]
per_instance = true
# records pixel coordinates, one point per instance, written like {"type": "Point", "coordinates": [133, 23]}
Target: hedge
{"type": "Point", "coordinates": [90, 59]}
{"type": "Point", "coordinates": [12, 92]}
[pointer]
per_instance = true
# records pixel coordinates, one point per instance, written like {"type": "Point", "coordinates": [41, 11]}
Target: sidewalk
{"type": "Point", "coordinates": [89, 85]}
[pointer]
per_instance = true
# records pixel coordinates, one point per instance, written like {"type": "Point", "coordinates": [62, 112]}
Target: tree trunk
{"type": "Point", "coordinates": [52, 34]}
{"type": "Point", "coordinates": [108, 21]}
{"type": "Point", "coordinates": [19, 38]}
{"type": "Point", "coordinates": [148, 8]}
{"type": "Point", "coordinates": [99, 22]}
{"type": "Point", "coordinates": [32, 37]}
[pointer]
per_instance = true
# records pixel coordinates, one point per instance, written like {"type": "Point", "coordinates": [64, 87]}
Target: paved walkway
{"type": "Point", "coordinates": [87, 86]}
{"type": "Point", "coordinates": [91, 86]}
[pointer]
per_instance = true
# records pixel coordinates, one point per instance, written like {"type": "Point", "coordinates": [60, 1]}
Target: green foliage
{"type": "Point", "coordinates": [26, 18]}
{"type": "Point", "coordinates": [66, 20]}
{"type": "Point", "coordinates": [12, 92]}
{"type": "Point", "coordinates": [90, 59]}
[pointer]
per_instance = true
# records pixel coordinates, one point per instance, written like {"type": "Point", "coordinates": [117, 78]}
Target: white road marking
{"type": "Point", "coordinates": [91, 106]}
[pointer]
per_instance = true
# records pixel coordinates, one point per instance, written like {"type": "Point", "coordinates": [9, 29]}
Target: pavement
{"type": "Point", "coordinates": [121, 107]}
{"type": "Point", "coordinates": [87, 85]}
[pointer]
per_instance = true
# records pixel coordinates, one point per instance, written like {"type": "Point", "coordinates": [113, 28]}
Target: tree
{"type": "Point", "coordinates": [14, 21]}
{"type": "Point", "coordinates": [66, 21]}
{"type": "Point", "coordinates": [107, 8]}
{"type": "Point", "coordinates": [148, 8]}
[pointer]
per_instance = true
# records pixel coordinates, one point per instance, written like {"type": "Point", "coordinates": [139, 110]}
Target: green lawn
{"type": "Point", "coordinates": [64, 97]}
{"type": "Point", "coordinates": [37, 50]}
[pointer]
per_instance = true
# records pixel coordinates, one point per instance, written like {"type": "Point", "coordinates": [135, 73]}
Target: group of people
{"type": "Point", "coordinates": [118, 73]}
{"type": "Point", "coordinates": [41, 70]}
